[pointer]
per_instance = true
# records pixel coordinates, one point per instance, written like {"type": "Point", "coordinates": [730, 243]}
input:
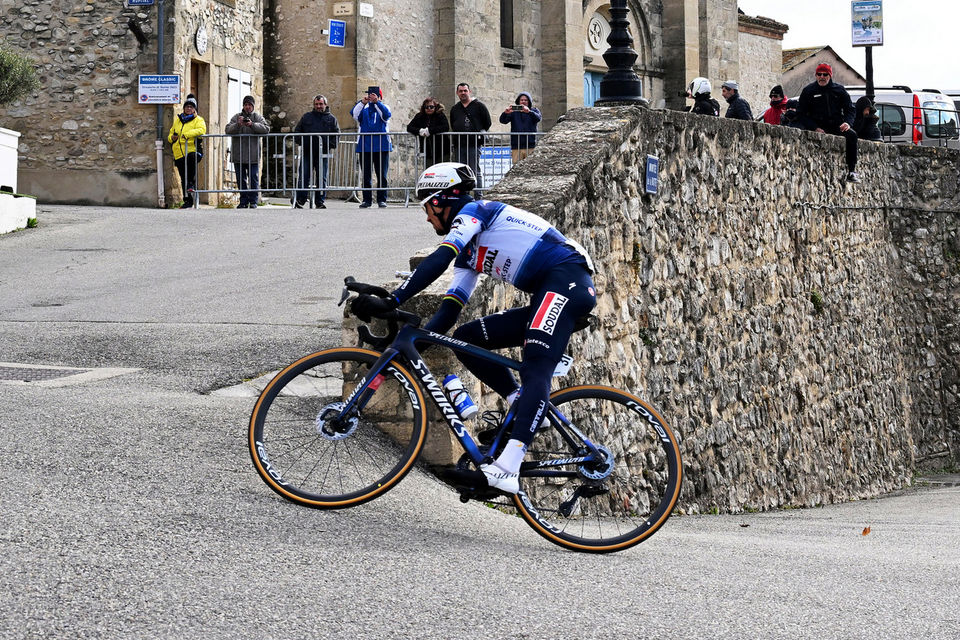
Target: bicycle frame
{"type": "Point", "coordinates": [404, 347]}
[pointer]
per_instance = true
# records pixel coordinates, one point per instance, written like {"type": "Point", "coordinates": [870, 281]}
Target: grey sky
{"type": "Point", "coordinates": [920, 37]}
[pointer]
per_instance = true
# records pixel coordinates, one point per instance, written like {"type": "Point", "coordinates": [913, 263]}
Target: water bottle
{"type": "Point", "coordinates": [459, 397]}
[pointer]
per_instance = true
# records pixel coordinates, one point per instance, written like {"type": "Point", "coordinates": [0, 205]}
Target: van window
{"type": "Point", "coordinates": [892, 121]}
{"type": "Point", "coordinates": [940, 120]}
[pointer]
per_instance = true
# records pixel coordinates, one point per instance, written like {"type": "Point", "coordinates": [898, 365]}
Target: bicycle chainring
{"type": "Point", "coordinates": [598, 470]}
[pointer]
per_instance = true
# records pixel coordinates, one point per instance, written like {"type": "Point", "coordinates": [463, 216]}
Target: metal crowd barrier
{"type": "Point", "coordinates": [282, 157]}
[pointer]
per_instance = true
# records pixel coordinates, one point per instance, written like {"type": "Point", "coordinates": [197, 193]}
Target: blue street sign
{"type": "Point", "coordinates": [338, 33]}
{"type": "Point", "coordinates": [653, 171]}
{"type": "Point", "coordinates": [139, 3]}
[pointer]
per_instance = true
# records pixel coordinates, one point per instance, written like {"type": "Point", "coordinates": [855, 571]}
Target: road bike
{"type": "Point", "coordinates": [342, 426]}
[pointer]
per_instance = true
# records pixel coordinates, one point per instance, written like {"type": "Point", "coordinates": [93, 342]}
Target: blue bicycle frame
{"type": "Point", "coordinates": [404, 346]}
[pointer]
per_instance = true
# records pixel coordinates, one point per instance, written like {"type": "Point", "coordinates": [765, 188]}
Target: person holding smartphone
{"type": "Point", "coordinates": [523, 118]}
{"type": "Point", "coordinates": [245, 129]}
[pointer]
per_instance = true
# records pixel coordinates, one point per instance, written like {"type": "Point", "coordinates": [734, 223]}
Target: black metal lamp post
{"type": "Point", "coordinates": [620, 83]}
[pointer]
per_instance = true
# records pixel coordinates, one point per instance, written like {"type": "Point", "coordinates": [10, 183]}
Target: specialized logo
{"type": "Point", "coordinates": [545, 319]}
{"type": "Point", "coordinates": [440, 398]}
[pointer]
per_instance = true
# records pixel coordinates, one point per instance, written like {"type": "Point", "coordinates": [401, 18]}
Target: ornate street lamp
{"type": "Point", "coordinates": [620, 83]}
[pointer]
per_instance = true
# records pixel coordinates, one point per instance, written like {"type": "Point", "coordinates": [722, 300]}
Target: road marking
{"type": "Point", "coordinates": [41, 375]}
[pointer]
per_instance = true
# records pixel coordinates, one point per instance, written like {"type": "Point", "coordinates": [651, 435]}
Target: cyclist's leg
{"type": "Point", "coordinates": [566, 295]}
{"type": "Point", "coordinates": [496, 331]}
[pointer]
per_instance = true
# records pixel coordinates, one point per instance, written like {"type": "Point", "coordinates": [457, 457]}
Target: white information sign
{"type": "Point", "coordinates": [159, 89]}
{"type": "Point", "coordinates": [867, 22]}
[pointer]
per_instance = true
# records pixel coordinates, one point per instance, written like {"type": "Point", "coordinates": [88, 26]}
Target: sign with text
{"type": "Point", "coordinates": [338, 33]}
{"type": "Point", "coordinates": [159, 89]}
{"type": "Point", "coordinates": [867, 22]}
{"type": "Point", "coordinates": [139, 3]}
{"type": "Point", "coordinates": [652, 183]}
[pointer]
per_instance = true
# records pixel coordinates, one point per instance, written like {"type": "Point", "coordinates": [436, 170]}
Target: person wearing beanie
{"type": "Point", "coordinates": [522, 117]}
{"type": "Point", "coordinates": [315, 152]}
{"type": "Point", "coordinates": [374, 146]}
{"type": "Point", "coordinates": [825, 106]}
{"type": "Point", "coordinates": [739, 108]}
{"type": "Point", "coordinates": [244, 129]}
{"type": "Point", "coordinates": [778, 105]}
{"type": "Point", "coordinates": [184, 136]}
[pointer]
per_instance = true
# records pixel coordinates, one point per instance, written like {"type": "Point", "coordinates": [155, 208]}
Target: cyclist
{"type": "Point", "coordinates": [515, 246]}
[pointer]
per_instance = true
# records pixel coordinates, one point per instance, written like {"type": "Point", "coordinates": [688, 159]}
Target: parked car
{"type": "Point", "coordinates": [926, 117]}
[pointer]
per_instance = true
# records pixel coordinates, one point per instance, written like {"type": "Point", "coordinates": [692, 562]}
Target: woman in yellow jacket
{"type": "Point", "coordinates": [187, 127]}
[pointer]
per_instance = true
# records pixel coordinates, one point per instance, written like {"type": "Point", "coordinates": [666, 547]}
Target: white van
{"type": "Point", "coordinates": [926, 117]}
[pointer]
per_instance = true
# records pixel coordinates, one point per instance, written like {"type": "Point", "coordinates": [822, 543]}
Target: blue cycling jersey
{"type": "Point", "coordinates": [506, 243]}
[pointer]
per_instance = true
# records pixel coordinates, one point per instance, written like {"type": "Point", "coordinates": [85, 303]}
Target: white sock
{"type": "Point", "coordinates": [511, 457]}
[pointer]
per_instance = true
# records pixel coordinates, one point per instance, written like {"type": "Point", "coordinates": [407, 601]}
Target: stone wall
{"type": "Point", "coordinates": [799, 334]}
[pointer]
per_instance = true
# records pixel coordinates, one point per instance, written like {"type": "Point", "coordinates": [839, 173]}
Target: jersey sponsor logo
{"type": "Point", "coordinates": [545, 319]}
{"type": "Point", "coordinates": [524, 223]}
{"type": "Point", "coordinates": [539, 343]}
{"type": "Point", "coordinates": [503, 272]}
{"type": "Point", "coordinates": [485, 259]}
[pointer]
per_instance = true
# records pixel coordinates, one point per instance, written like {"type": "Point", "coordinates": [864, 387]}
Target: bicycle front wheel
{"type": "Point", "coordinates": [311, 448]}
{"type": "Point", "coordinates": [606, 505]}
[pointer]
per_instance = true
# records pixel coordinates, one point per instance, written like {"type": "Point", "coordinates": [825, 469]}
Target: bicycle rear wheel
{"type": "Point", "coordinates": [610, 505]}
{"type": "Point", "coordinates": [312, 452]}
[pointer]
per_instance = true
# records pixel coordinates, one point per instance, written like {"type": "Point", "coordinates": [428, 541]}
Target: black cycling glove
{"type": "Point", "coordinates": [366, 306]}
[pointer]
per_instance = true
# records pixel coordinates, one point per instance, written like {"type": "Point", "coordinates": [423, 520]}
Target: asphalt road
{"type": "Point", "coordinates": [131, 508]}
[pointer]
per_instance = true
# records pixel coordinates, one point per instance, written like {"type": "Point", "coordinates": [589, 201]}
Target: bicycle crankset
{"type": "Point", "coordinates": [332, 426]}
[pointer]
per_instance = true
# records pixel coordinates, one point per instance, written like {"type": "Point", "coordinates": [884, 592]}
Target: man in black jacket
{"type": "Point", "coordinates": [825, 107]}
{"type": "Point", "coordinates": [315, 150]}
{"type": "Point", "coordinates": [739, 108]}
{"type": "Point", "coordinates": [469, 115]}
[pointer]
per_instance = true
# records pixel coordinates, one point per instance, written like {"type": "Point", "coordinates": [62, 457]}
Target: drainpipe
{"type": "Point", "coordinates": [159, 143]}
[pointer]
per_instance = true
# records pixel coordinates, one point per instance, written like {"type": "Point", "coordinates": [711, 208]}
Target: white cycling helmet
{"type": "Point", "coordinates": [446, 179]}
{"type": "Point", "coordinates": [699, 86]}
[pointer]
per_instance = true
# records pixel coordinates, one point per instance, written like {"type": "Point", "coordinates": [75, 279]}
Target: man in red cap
{"type": "Point", "coordinates": [825, 106]}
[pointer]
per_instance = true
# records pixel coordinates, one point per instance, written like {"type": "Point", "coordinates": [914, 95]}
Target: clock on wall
{"type": "Point", "coordinates": [200, 40]}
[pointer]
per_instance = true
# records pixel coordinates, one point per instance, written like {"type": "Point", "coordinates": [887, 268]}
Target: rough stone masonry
{"type": "Point", "coordinates": [799, 334]}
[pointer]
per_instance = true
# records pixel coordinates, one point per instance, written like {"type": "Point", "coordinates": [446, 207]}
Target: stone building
{"type": "Point", "coordinates": [799, 66]}
{"type": "Point", "coordinates": [86, 138]}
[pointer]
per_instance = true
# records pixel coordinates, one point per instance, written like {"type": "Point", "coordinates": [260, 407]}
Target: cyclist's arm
{"type": "Point", "coordinates": [464, 282]}
{"type": "Point", "coordinates": [429, 270]}
{"type": "Point", "coordinates": [464, 227]}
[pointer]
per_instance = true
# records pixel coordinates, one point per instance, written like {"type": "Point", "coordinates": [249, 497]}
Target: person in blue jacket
{"type": "Point", "coordinates": [373, 145]}
{"type": "Point", "coordinates": [523, 117]}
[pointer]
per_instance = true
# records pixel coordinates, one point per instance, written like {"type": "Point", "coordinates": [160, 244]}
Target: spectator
{"type": "Point", "coordinates": [315, 151]}
{"type": "Point", "coordinates": [183, 136]}
{"type": "Point", "coordinates": [825, 106]}
{"type": "Point", "coordinates": [469, 115]}
{"type": "Point", "coordinates": [865, 122]}
{"type": "Point", "coordinates": [739, 108]}
{"type": "Point", "coordinates": [523, 118]}
{"type": "Point", "coordinates": [427, 125]}
{"type": "Point", "coordinates": [703, 104]}
{"type": "Point", "coordinates": [778, 106]}
{"type": "Point", "coordinates": [374, 148]}
{"type": "Point", "coordinates": [245, 151]}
